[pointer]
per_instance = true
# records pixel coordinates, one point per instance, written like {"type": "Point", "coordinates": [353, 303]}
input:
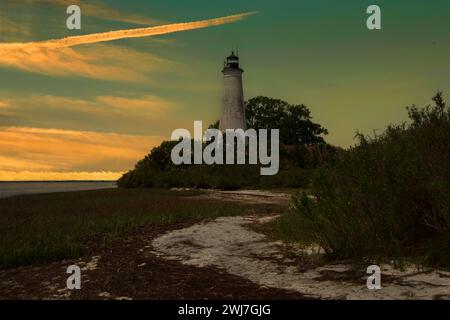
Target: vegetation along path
{"type": "Point", "coordinates": [119, 265]}
{"type": "Point", "coordinates": [231, 244]}
{"type": "Point", "coordinates": [223, 257]}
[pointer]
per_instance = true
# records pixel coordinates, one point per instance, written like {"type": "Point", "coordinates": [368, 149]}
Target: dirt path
{"type": "Point", "coordinates": [230, 244]}
{"type": "Point", "coordinates": [130, 270]}
{"type": "Point", "coordinates": [220, 259]}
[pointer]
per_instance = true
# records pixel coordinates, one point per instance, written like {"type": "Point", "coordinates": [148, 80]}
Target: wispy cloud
{"type": "Point", "coordinates": [97, 9]}
{"type": "Point", "coordinates": [146, 108]}
{"type": "Point", "coordinates": [103, 62]}
{"type": "Point", "coordinates": [6, 108]}
{"type": "Point", "coordinates": [102, 11]}
{"type": "Point", "coordinates": [136, 114]}
{"type": "Point", "coordinates": [10, 27]}
{"type": "Point", "coordinates": [56, 57]}
{"type": "Point", "coordinates": [149, 107]}
{"type": "Point", "coordinates": [31, 47]}
{"type": "Point", "coordinates": [32, 151]}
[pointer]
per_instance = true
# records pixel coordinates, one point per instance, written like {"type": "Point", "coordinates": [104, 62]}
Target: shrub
{"type": "Point", "coordinates": [389, 196]}
{"type": "Point", "coordinates": [296, 164]}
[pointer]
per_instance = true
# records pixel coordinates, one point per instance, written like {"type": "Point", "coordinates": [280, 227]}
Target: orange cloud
{"type": "Point", "coordinates": [129, 114]}
{"type": "Point", "coordinates": [102, 62]}
{"type": "Point", "coordinates": [55, 57]}
{"type": "Point", "coordinates": [59, 176]}
{"type": "Point", "coordinates": [31, 47]}
{"type": "Point", "coordinates": [25, 152]}
{"type": "Point", "coordinates": [147, 108]}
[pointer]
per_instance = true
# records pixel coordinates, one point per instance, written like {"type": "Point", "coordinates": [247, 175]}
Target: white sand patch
{"type": "Point", "coordinates": [229, 244]}
{"type": "Point", "coordinates": [258, 193]}
{"type": "Point", "coordinates": [58, 292]}
{"type": "Point", "coordinates": [105, 295]}
{"type": "Point", "coordinates": [246, 196]}
{"type": "Point", "coordinates": [91, 265]}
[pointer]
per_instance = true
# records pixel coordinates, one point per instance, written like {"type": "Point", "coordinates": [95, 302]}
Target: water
{"type": "Point", "coordinates": [9, 189]}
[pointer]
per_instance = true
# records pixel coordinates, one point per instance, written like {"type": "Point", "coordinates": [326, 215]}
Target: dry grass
{"type": "Point", "coordinates": [49, 227]}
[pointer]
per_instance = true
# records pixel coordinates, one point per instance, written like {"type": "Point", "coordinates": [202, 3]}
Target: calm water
{"type": "Point", "coordinates": [8, 189]}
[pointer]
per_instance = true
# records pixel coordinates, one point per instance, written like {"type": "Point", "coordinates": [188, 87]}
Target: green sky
{"type": "Point", "coordinates": [319, 53]}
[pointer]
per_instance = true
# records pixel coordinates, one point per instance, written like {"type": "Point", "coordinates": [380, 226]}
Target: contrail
{"type": "Point", "coordinates": [119, 34]}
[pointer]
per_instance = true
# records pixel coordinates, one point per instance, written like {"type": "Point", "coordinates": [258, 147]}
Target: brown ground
{"type": "Point", "coordinates": [128, 270]}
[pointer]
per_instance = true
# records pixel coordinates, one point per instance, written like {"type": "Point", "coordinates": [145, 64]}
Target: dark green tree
{"type": "Point", "coordinates": [294, 121]}
{"type": "Point", "coordinates": [428, 114]}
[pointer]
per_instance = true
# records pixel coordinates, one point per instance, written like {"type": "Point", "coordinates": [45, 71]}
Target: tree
{"type": "Point", "coordinates": [294, 121]}
{"type": "Point", "coordinates": [430, 113]}
{"type": "Point", "coordinates": [215, 125]}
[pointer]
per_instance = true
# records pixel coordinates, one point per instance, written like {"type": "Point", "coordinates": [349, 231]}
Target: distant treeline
{"type": "Point", "coordinates": [158, 171]}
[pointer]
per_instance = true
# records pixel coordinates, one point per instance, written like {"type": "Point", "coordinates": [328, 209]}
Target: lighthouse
{"type": "Point", "coordinates": [233, 111]}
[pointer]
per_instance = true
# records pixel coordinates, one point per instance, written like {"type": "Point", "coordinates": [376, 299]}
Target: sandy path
{"type": "Point", "coordinates": [229, 244]}
{"type": "Point", "coordinates": [127, 269]}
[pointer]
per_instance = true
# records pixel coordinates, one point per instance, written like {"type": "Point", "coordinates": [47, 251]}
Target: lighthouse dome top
{"type": "Point", "coordinates": [233, 56]}
{"type": "Point", "coordinates": [232, 61]}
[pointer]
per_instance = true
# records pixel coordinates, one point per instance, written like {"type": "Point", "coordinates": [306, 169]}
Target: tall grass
{"type": "Point", "coordinates": [387, 197]}
{"type": "Point", "coordinates": [49, 227]}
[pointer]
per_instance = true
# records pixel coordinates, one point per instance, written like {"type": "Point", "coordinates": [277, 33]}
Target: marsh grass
{"type": "Point", "coordinates": [49, 227]}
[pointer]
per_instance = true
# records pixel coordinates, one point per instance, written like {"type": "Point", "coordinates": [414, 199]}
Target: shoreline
{"type": "Point", "coordinates": [16, 188]}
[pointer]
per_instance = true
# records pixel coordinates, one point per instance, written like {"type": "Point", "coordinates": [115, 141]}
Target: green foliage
{"type": "Point", "coordinates": [296, 165]}
{"type": "Point", "coordinates": [215, 125]}
{"type": "Point", "coordinates": [229, 177]}
{"type": "Point", "coordinates": [389, 196]}
{"type": "Point", "coordinates": [294, 121]}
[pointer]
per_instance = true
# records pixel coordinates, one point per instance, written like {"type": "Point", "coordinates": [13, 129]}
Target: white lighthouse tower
{"type": "Point", "coordinates": [233, 111]}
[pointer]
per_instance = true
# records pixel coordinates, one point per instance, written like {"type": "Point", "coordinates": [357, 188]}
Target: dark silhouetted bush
{"type": "Point", "coordinates": [389, 196]}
